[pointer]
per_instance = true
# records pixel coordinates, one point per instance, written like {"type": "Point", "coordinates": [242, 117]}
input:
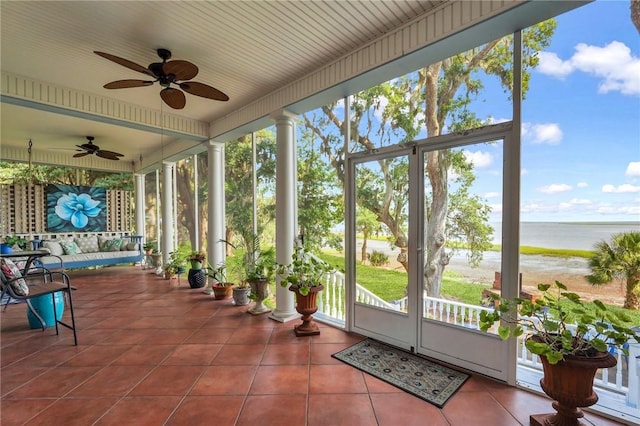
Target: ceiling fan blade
{"type": "Point", "coordinates": [125, 84]}
{"type": "Point", "coordinates": [88, 147]}
{"type": "Point", "coordinates": [111, 153]}
{"type": "Point", "coordinates": [105, 154]}
{"type": "Point", "coordinates": [173, 97]}
{"type": "Point", "coordinates": [182, 70]}
{"type": "Point", "coordinates": [80, 154]}
{"type": "Point", "coordinates": [125, 63]}
{"type": "Point", "coordinates": [203, 90]}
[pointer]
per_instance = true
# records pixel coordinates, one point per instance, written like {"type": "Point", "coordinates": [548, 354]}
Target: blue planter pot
{"type": "Point", "coordinates": [44, 307]}
{"type": "Point", "coordinates": [197, 278]}
{"type": "Point", "coordinates": [4, 248]}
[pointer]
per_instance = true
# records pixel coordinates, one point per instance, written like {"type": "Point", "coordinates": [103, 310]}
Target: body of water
{"type": "Point", "coordinates": [566, 235]}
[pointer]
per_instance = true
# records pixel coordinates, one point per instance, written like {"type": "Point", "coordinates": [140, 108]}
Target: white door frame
{"type": "Point", "coordinates": [471, 349]}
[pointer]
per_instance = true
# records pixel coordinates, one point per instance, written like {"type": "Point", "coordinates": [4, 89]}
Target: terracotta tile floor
{"type": "Point", "coordinates": [152, 352]}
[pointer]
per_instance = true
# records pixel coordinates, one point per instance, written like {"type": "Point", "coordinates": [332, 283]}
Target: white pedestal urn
{"type": "Point", "coordinates": [259, 292]}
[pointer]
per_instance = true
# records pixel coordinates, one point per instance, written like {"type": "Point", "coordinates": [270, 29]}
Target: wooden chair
{"type": "Point", "coordinates": [40, 282]}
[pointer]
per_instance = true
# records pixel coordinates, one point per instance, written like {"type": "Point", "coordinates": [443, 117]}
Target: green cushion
{"type": "Point", "coordinates": [70, 247]}
{"type": "Point", "coordinates": [112, 244]}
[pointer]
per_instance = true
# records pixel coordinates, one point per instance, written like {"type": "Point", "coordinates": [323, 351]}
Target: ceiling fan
{"type": "Point", "coordinates": [89, 149]}
{"type": "Point", "coordinates": [167, 74]}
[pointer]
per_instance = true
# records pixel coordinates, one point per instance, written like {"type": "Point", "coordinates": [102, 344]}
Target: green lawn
{"type": "Point", "coordinates": [390, 285]}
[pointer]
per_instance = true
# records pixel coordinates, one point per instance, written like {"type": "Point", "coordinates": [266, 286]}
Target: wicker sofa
{"type": "Point", "coordinates": [89, 249]}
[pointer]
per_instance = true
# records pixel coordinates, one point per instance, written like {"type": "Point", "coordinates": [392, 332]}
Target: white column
{"type": "Point", "coordinates": [196, 204]}
{"type": "Point", "coordinates": [167, 210]}
{"type": "Point", "coordinates": [286, 220]}
{"type": "Point", "coordinates": [158, 217]}
{"type": "Point", "coordinates": [140, 205]}
{"type": "Point", "coordinates": [633, 395]}
{"type": "Point", "coordinates": [216, 206]}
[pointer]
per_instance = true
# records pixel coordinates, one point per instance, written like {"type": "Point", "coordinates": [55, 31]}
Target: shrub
{"type": "Point", "coordinates": [377, 258]}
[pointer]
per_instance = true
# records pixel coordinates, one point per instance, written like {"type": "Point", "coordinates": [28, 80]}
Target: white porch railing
{"type": "Point", "coordinates": [621, 380]}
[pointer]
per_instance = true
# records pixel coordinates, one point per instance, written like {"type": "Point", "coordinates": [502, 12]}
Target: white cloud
{"type": "Point", "coordinates": [620, 189]}
{"type": "Point", "coordinates": [555, 188]}
{"type": "Point", "coordinates": [630, 210]}
{"type": "Point", "coordinates": [479, 159]}
{"type": "Point", "coordinates": [574, 204]}
{"type": "Point", "coordinates": [524, 172]}
{"type": "Point", "coordinates": [579, 201]}
{"type": "Point", "coordinates": [492, 195]}
{"type": "Point", "coordinates": [551, 64]}
{"type": "Point", "coordinates": [617, 68]}
{"type": "Point", "coordinates": [633, 169]}
{"type": "Point", "coordinates": [496, 208]}
{"type": "Point", "coordinates": [582, 184]}
{"type": "Point", "coordinates": [546, 133]}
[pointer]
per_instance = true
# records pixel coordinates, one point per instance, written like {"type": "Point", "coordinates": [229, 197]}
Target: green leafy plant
{"type": "Point", "coordinates": [558, 325]}
{"type": "Point", "coordinates": [304, 271]}
{"type": "Point", "coordinates": [377, 258]}
{"type": "Point", "coordinates": [219, 273]}
{"type": "Point", "coordinates": [13, 240]}
{"type": "Point", "coordinates": [257, 263]}
{"type": "Point", "coordinates": [177, 260]}
{"type": "Point", "coordinates": [150, 246]}
{"type": "Point", "coordinates": [196, 256]}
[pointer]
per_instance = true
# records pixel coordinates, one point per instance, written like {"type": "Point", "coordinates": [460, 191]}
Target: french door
{"type": "Point", "coordinates": [432, 280]}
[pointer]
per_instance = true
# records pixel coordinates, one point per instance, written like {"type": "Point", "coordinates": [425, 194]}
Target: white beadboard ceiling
{"type": "Point", "coordinates": [247, 49]}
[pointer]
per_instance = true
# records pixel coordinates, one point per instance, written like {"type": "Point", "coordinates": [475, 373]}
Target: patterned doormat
{"type": "Point", "coordinates": [425, 379]}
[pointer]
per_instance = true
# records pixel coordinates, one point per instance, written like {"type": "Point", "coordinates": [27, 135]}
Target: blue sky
{"type": "Point", "coordinates": [581, 123]}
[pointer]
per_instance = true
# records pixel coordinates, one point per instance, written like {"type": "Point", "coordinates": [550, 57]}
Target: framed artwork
{"type": "Point", "coordinates": [76, 208]}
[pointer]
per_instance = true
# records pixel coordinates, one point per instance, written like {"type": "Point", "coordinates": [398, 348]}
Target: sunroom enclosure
{"type": "Point", "coordinates": [617, 387]}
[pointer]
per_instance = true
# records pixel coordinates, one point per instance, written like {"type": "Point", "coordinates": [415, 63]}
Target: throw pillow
{"type": "Point", "coordinates": [133, 247]}
{"type": "Point", "coordinates": [125, 243]}
{"type": "Point", "coordinates": [112, 244]}
{"type": "Point", "coordinates": [88, 244]}
{"type": "Point", "coordinates": [54, 247]}
{"type": "Point", "coordinates": [11, 271]}
{"type": "Point", "coordinates": [70, 247]}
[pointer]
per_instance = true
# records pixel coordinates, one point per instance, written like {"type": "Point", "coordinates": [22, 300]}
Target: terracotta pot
{"type": "Point", "coordinates": [259, 292]}
{"type": "Point", "coordinates": [307, 306]}
{"type": "Point", "coordinates": [570, 384]}
{"type": "Point", "coordinates": [222, 292]}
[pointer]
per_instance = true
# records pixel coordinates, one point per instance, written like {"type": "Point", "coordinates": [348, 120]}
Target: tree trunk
{"type": "Point", "coordinates": [436, 258]}
{"type": "Point", "coordinates": [632, 299]}
{"type": "Point", "coordinates": [635, 13]}
{"type": "Point", "coordinates": [363, 252]}
{"type": "Point", "coordinates": [184, 179]}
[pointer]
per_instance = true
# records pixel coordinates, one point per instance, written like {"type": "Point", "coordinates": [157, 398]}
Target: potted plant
{"type": "Point", "coordinates": [221, 288]}
{"type": "Point", "coordinates": [259, 269]}
{"type": "Point", "coordinates": [241, 293]}
{"type": "Point", "coordinates": [197, 259]}
{"type": "Point", "coordinates": [197, 276]}
{"type": "Point", "coordinates": [256, 270]}
{"type": "Point", "coordinates": [571, 341]}
{"type": "Point", "coordinates": [149, 247]}
{"type": "Point", "coordinates": [177, 262]}
{"type": "Point", "coordinates": [304, 276]}
{"type": "Point", "coordinates": [12, 241]}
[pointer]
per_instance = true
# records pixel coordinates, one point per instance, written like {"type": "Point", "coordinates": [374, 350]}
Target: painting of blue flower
{"type": "Point", "coordinates": [73, 208]}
